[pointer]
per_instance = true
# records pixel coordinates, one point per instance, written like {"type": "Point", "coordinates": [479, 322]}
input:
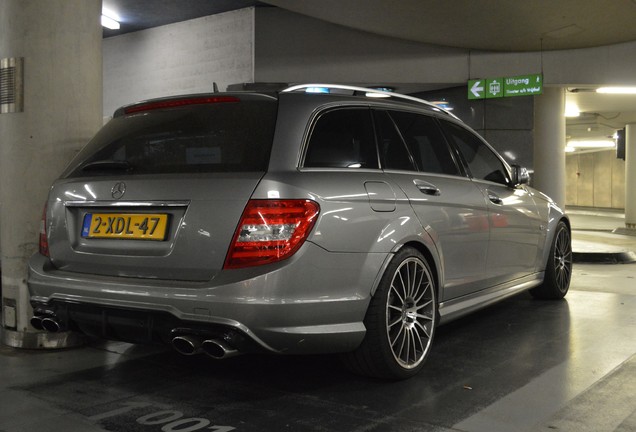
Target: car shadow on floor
{"type": "Point", "coordinates": [475, 361]}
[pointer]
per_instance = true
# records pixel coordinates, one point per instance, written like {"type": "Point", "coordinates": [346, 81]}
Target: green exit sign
{"type": "Point", "coordinates": [521, 85]}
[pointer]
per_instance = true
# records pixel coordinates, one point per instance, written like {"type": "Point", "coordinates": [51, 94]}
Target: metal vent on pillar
{"type": "Point", "coordinates": [11, 88]}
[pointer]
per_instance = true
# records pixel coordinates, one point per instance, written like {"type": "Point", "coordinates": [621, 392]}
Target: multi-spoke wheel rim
{"type": "Point", "coordinates": [563, 260]}
{"type": "Point", "coordinates": [410, 313]}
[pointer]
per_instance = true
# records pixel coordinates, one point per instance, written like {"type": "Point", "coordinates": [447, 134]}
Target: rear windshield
{"type": "Point", "coordinates": [221, 137]}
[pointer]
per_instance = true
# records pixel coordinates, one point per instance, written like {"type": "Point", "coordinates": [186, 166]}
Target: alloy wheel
{"type": "Point", "coordinates": [563, 260]}
{"type": "Point", "coordinates": [410, 313]}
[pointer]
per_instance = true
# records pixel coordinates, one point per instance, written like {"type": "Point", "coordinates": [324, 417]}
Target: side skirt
{"type": "Point", "coordinates": [458, 307]}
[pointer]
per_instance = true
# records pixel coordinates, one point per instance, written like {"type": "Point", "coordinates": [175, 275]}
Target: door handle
{"type": "Point", "coordinates": [427, 188]}
{"type": "Point", "coordinates": [494, 198]}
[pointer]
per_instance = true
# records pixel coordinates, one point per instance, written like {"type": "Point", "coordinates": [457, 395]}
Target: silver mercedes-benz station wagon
{"type": "Point", "coordinates": [317, 219]}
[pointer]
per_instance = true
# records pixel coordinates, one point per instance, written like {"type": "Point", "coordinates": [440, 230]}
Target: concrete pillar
{"type": "Point", "coordinates": [630, 176]}
{"type": "Point", "coordinates": [549, 143]}
{"type": "Point", "coordinates": [60, 42]}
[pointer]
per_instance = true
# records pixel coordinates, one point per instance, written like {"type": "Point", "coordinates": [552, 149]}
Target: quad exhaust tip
{"type": "Point", "coordinates": [47, 323]}
{"type": "Point", "coordinates": [218, 349]}
{"type": "Point", "coordinates": [187, 344]}
{"type": "Point", "coordinates": [36, 322]}
{"type": "Point", "coordinates": [50, 325]}
{"type": "Point", "coordinates": [191, 345]}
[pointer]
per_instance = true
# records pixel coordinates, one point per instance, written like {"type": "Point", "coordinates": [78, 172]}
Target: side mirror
{"type": "Point", "coordinates": [519, 175]}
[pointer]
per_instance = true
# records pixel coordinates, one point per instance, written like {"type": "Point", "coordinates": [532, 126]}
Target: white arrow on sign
{"type": "Point", "coordinates": [477, 88]}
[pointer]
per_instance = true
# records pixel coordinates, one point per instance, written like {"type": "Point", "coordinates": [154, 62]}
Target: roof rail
{"type": "Point", "coordinates": [367, 91]}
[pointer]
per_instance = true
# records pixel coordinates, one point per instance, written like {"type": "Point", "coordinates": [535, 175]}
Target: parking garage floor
{"type": "Point", "coordinates": [521, 365]}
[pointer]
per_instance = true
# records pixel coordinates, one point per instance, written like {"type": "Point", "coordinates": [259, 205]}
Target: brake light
{"type": "Point", "coordinates": [270, 231]}
{"type": "Point", "coordinates": [175, 103]}
{"type": "Point", "coordinates": [44, 242]}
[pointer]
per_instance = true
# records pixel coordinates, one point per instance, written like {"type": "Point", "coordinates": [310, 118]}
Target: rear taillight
{"type": "Point", "coordinates": [44, 242]}
{"type": "Point", "coordinates": [270, 231]}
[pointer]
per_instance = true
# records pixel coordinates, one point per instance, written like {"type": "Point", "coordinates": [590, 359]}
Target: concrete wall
{"type": "Point", "coordinates": [612, 64]}
{"type": "Point", "coordinates": [595, 180]}
{"type": "Point", "coordinates": [185, 57]}
{"type": "Point", "coordinates": [295, 48]}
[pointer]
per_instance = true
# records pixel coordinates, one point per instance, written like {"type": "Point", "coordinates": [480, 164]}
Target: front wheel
{"type": "Point", "coordinates": [400, 321]}
{"type": "Point", "coordinates": [558, 272]}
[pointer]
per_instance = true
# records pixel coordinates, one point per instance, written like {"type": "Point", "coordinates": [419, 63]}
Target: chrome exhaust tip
{"type": "Point", "coordinates": [218, 349]}
{"type": "Point", "coordinates": [186, 344]}
{"type": "Point", "coordinates": [50, 325]}
{"type": "Point", "coordinates": [36, 322]}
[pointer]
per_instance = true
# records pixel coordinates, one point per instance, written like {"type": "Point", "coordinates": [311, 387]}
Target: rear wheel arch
{"type": "Point", "coordinates": [432, 263]}
{"type": "Point", "coordinates": [424, 250]}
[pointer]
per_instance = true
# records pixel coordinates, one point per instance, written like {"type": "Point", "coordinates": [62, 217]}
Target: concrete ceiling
{"type": "Point", "coordinates": [491, 25]}
{"type": "Point", "coordinates": [499, 25]}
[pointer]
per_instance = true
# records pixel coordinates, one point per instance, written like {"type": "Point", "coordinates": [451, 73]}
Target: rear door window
{"type": "Point", "coordinates": [425, 142]}
{"type": "Point", "coordinates": [393, 152]}
{"type": "Point", "coordinates": [221, 137]}
{"type": "Point", "coordinates": [482, 161]}
{"type": "Point", "coordinates": [342, 138]}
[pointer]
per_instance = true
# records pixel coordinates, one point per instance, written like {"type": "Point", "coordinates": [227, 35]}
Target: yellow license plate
{"type": "Point", "coordinates": [142, 226]}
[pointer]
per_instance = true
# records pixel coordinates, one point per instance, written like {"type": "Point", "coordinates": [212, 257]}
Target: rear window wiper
{"type": "Point", "coordinates": [108, 165]}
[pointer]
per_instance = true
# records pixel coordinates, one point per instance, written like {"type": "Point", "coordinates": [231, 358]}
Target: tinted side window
{"type": "Point", "coordinates": [482, 161]}
{"type": "Point", "coordinates": [426, 143]}
{"type": "Point", "coordinates": [393, 153]}
{"type": "Point", "coordinates": [342, 138]}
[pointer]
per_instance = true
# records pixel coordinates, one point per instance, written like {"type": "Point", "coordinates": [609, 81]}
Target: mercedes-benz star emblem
{"type": "Point", "coordinates": [118, 190]}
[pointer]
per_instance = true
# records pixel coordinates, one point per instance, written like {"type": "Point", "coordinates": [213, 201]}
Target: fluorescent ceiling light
{"type": "Point", "coordinates": [591, 144]}
{"type": "Point", "coordinates": [572, 110]}
{"type": "Point", "coordinates": [569, 149]}
{"type": "Point", "coordinates": [110, 23]}
{"type": "Point", "coordinates": [616, 90]}
{"type": "Point", "coordinates": [110, 19]}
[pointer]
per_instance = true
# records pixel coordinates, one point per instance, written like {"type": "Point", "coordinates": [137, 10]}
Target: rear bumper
{"type": "Point", "coordinates": [314, 302]}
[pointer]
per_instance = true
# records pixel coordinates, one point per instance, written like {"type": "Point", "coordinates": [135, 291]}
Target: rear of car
{"type": "Point", "coordinates": [158, 192]}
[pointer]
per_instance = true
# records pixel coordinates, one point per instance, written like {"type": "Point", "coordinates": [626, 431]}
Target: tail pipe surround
{"type": "Point", "coordinates": [46, 322]}
{"type": "Point", "coordinates": [218, 349]}
{"type": "Point", "coordinates": [187, 344]}
{"type": "Point", "coordinates": [36, 322]}
{"type": "Point", "coordinates": [191, 344]}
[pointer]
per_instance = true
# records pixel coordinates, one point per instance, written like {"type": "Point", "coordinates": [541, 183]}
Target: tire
{"type": "Point", "coordinates": [400, 320]}
{"type": "Point", "coordinates": [558, 272]}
